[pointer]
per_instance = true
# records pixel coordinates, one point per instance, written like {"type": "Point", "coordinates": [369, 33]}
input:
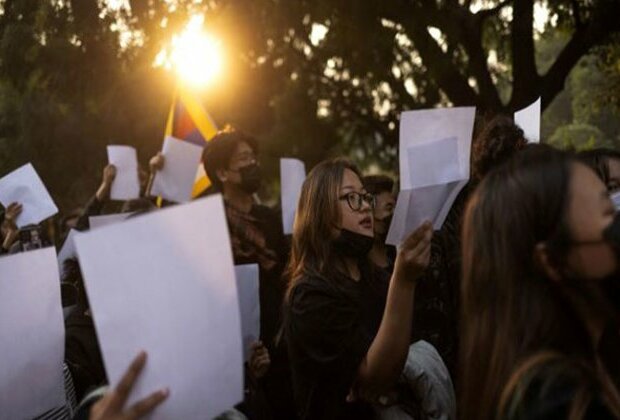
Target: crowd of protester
{"type": "Point", "coordinates": [509, 311]}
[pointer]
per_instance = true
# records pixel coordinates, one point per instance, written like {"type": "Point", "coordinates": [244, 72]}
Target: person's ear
{"type": "Point", "coordinates": [545, 263]}
{"type": "Point", "coordinates": [222, 175]}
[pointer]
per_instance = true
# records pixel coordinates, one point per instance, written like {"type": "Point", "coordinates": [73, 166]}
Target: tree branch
{"type": "Point", "coordinates": [596, 31]}
{"type": "Point", "coordinates": [576, 13]}
{"type": "Point", "coordinates": [439, 64]}
{"type": "Point", "coordinates": [524, 72]}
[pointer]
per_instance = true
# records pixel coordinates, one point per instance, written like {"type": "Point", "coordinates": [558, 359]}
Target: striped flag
{"type": "Point", "coordinates": [188, 120]}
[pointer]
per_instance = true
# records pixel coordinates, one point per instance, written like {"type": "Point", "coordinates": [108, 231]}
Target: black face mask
{"type": "Point", "coordinates": [352, 244]}
{"type": "Point", "coordinates": [250, 178]}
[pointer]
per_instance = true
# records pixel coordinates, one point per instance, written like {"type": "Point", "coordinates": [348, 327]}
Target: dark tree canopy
{"type": "Point", "coordinates": [309, 78]}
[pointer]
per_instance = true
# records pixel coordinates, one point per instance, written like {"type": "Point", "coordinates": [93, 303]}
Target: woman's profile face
{"type": "Point", "coordinates": [358, 220]}
{"type": "Point", "coordinates": [590, 212]}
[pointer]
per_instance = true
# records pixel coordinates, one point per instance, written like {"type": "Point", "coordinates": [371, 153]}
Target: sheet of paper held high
{"type": "Point", "coordinates": [24, 186]}
{"type": "Point", "coordinates": [126, 185]}
{"type": "Point", "coordinates": [434, 152]}
{"type": "Point", "coordinates": [165, 283]}
{"type": "Point", "coordinates": [32, 335]}
{"type": "Point", "coordinates": [249, 304]}
{"type": "Point", "coordinates": [176, 180]}
{"type": "Point", "coordinates": [529, 120]}
{"type": "Point", "coordinates": [292, 176]}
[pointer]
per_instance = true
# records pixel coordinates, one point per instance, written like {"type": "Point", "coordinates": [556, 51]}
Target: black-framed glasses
{"type": "Point", "coordinates": [355, 200]}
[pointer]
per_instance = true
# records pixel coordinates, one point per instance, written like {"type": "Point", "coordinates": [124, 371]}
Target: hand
{"type": "Point", "coordinates": [109, 173]}
{"type": "Point", "coordinates": [10, 215]}
{"type": "Point", "coordinates": [415, 253]}
{"type": "Point", "coordinates": [110, 407]}
{"type": "Point", "coordinates": [156, 163]}
{"type": "Point", "coordinates": [9, 229]}
{"type": "Point", "coordinates": [259, 360]}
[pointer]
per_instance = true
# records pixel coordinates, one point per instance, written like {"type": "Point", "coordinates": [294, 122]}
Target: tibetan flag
{"type": "Point", "coordinates": [189, 121]}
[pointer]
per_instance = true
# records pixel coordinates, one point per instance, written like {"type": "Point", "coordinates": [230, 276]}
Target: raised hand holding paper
{"type": "Point", "coordinates": [176, 180]}
{"type": "Point", "coordinates": [24, 186]}
{"type": "Point", "coordinates": [165, 283]}
{"type": "Point", "coordinates": [126, 185]}
{"type": "Point", "coordinates": [249, 305]}
{"type": "Point", "coordinates": [529, 120]}
{"type": "Point", "coordinates": [292, 176]}
{"type": "Point", "coordinates": [32, 335]}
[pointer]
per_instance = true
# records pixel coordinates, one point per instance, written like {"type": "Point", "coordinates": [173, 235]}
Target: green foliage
{"type": "Point", "coordinates": [578, 137]}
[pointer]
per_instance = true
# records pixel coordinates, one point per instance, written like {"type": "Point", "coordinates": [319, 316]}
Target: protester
{"type": "Point", "coordinates": [382, 187]}
{"type": "Point", "coordinates": [231, 163]}
{"type": "Point", "coordinates": [339, 363]}
{"type": "Point", "coordinates": [538, 271]}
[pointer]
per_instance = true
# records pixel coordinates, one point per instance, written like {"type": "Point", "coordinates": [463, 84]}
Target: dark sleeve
{"type": "Point", "coordinates": [92, 208]}
{"type": "Point", "coordinates": [328, 328]}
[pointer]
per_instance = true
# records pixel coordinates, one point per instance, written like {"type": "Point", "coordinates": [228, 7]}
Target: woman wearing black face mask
{"type": "Point", "coordinates": [339, 360]}
{"type": "Point", "coordinates": [534, 307]}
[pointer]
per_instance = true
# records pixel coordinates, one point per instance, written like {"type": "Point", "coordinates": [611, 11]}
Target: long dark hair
{"type": "Point", "coordinates": [511, 311]}
{"type": "Point", "coordinates": [317, 214]}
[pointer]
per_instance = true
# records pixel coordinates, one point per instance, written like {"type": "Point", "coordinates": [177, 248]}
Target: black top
{"type": "Point", "coordinates": [271, 283]}
{"type": "Point", "coordinates": [329, 327]}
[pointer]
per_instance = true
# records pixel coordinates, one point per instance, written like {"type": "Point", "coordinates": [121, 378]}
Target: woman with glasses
{"type": "Point", "coordinates": [342, 357]}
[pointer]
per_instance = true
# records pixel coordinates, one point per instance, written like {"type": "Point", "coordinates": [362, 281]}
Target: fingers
{"type": "Point", "coordinates": [157, 162]}
{"type": "Point", "coordinates": [256, 345]}
{"type": "Point", "coordinates": [419, 241]}
{"type": "Point", "coordinates": [263, 360]}
{"type": "Point", "coordinates": [145, 406]}
{"type": "Point", "coordinates": [351, 397]}
{"type": "Point", "coordinates": [124, 387]}
{"type": "Point", "coordinates": [13, 211]}
{"type": "Point", "coordinates": [418, 235]}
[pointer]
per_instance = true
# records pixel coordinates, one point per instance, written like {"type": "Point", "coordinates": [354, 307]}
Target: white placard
{"type": "Point", "coordinates": [435, 147]}
{"type": "Point", "coordinates": [24, 186]}
{"type": "Point", "coordinates": [435, 162]}
{"type": "Point", "coordinates": [426, 125]}
{"type": "Point", "coordinates": [247, 276]}
{"type": "Point", "coordinates": [292, 176]}
{"type": "Point", "coordinates": [529, 120]}
{"type": "Point", "coordinates": [165, 283]}
{"type": "Point", "coordinates": [32, 335]}
{"type": "Point", "coordinates": [126, 185]}
{"type": "Point", "coordinates": [176, 180]}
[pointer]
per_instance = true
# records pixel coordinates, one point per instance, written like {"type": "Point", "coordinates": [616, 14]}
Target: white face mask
{"type": "Point", "coordinates": [615, 198]}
